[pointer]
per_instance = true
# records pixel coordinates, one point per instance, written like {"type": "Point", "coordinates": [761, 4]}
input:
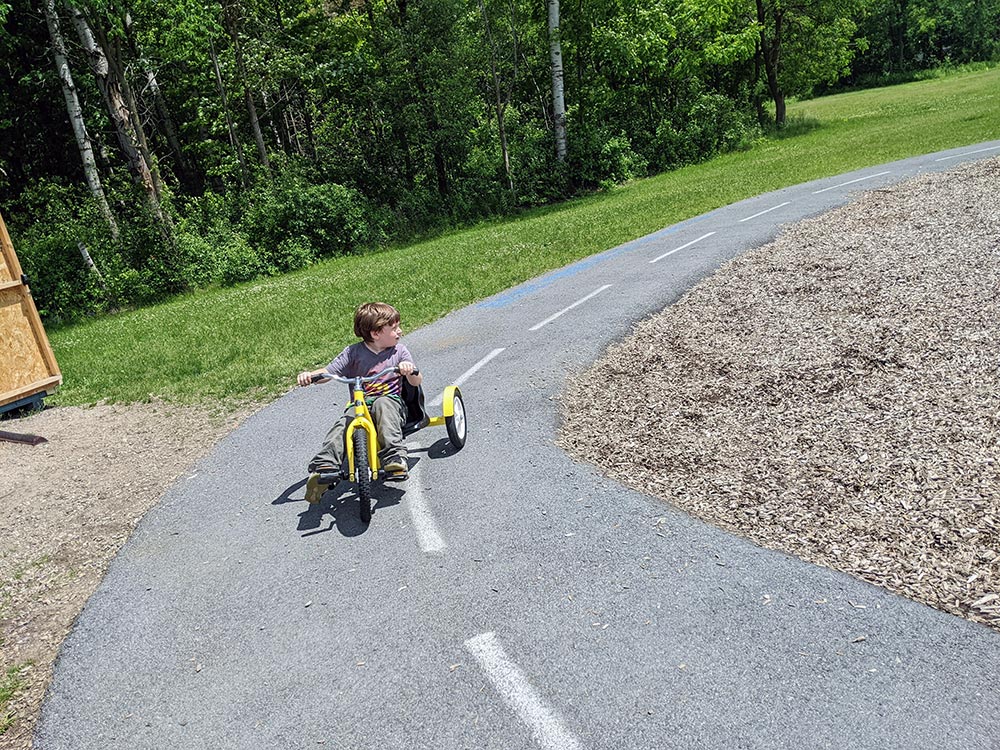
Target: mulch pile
{"type": "Point", "coordinates": [833, 394]}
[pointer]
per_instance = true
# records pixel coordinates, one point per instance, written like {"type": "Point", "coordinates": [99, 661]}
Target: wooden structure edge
{"type": "Point", "coordinates": [16, 284]}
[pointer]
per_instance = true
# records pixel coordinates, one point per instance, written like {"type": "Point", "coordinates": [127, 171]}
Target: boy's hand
{"type": "Point", "coordinates": [407, 369]}
{"type": "Point", "coordinates": [305, 378]}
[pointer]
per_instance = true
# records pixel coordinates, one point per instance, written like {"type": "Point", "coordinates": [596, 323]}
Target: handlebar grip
{"type": "Point", "coordinates": [317, 378]}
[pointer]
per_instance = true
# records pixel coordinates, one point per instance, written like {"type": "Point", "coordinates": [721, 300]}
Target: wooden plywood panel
{"type": "Point", "coordinates": [10, 269]}
{"type": "Point", "coordinates": [22, 364]}
{"type": "Point", "coordinates": [6, 272]}
{"type": "Point", "coordinates": [27, 365]}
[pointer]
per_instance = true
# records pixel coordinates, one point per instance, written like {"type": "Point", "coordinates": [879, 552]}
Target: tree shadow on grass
{"type": "Point", "coordinates": [794, 126]}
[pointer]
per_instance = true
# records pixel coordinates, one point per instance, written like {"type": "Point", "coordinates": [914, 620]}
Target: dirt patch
{"type": "Point", "coordinates": [832, 394]}
{"type": "Point", "coordinates": [66, 508]}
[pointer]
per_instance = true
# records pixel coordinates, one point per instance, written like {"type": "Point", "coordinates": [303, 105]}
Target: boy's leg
{"type": "Point", "coordinates": [329, 459]}
{"type": "Point", "coordinates": [332, 452]}
{"type": "Point", "coordinates": [387, 413]}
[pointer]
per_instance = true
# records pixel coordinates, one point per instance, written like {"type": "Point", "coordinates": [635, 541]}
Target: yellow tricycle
{"type": "Point", "coordinates": [361, 438]}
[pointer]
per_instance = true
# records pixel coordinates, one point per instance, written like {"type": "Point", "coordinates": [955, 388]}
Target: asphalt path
{"type": "Point", "coordinates": [506, 596]}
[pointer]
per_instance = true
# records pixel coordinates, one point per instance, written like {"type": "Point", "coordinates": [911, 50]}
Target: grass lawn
{"type": "Point", "coordinates": [250, 340]}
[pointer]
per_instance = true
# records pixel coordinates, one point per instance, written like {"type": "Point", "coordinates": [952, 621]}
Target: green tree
{"type": "Point", "coordinates": [804, 43]}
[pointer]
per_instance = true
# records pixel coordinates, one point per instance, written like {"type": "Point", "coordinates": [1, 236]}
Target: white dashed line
{"type": "Point", "coordinates": [969, 153]}
{"type": "Point", "coordinates": [676, 249]}
{"type": "Point", "coordinates": [439, 399]}
{"type": "Point", "coordinates": [850, 182]}
{"type": "Point", "coordinates": [765, 211]}
{"type": "Point", "coordinates": [428, 537]}
{"type": "Point", "coordinates": [567, 309]}
{"type": "Point", "coordinates": [518, 693]}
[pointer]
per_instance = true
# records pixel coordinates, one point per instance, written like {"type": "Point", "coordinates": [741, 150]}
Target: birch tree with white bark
{"type": "Point", "coordinates": [558, 82]}
{"type": "Point", "coordinates": [75, 111]}
{"type": "Point", "coordinates": [122, 109]}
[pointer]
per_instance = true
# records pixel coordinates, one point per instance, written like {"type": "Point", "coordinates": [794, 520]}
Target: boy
{"type": "Point", "coordinates": [377, 325]}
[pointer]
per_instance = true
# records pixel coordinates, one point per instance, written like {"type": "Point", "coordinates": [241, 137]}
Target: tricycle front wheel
{"type": "Point", "coordinates": [363, 473]}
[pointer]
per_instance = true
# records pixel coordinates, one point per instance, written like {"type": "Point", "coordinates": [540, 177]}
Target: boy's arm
{"type": "Point", "coordinates": [336, 367]}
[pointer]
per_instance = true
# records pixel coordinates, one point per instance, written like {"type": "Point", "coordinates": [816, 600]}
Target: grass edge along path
{"type": "Point", "coordinates": [10, 683]}
{"type": "Point", "coordinates": [247, 342]}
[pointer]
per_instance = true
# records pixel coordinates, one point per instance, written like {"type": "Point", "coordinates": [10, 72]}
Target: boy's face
{"type": "Point", "coordinates": [387, 336]}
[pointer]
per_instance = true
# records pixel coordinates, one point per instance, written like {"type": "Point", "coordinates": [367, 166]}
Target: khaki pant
{"type": "Point", "coordinates": [387, 414]}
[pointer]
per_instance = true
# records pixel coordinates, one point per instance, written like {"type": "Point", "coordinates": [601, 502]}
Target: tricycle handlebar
{"type": "Point", "coordinates": [359, 379]}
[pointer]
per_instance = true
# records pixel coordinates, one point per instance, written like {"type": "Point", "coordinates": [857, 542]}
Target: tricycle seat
{"type": "Point", "coordinates": [416, 414]}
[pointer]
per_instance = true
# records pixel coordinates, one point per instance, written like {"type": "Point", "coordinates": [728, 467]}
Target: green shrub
{"type": "Point", "coordinates": [715, 125]}
{"type": "Point", "coordinates": [600, 159]}
{"type": "Point", "coordinates": [60, 284]}
{"type": "Point", "coordinates": [711, 124]}
{"type": "Point", "coordinates": [671, 147]}
{"type": "Point", "coordinates": [619, 162]}
{"type": "Point", "coordinates": [538, 177]}
{"type": "Point", "coordinates": [46, 229]}
{"type": "Point", "coordinates": [201, 264]}
{"type": "Point", "coordinates": [239, 261]}
{"type": "Point", "coordinates": [333, 219]}
{"type": "Point", "coordinates": [293, 253]}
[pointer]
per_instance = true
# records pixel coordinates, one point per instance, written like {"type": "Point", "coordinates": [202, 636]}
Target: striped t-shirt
{"type": "Point", "coordinates": [358, 359]}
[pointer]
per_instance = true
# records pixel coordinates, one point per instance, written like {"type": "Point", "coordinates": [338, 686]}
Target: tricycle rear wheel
{"type": "Point", "coordinates": [456, 424]}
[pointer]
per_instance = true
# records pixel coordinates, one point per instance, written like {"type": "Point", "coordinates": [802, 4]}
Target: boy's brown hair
{"type": "Point", "coordinates": [372, 316]}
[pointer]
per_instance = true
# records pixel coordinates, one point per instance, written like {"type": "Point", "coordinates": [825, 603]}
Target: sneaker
{"type": "Point", "coordinates": [396, 469]}
{"type": "Point", "coordinates": [315, 488]}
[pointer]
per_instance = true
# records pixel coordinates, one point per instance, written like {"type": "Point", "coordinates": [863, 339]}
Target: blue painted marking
{"type": "Point", "coordinates": [509, 297]}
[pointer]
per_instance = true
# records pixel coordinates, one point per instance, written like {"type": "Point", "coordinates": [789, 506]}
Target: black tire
{"type": "Point", "coordinates": [455, 424]}
{"type": "Point", "coordinates": [363, 473]}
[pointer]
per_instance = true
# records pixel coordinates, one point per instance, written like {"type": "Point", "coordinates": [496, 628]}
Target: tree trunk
{"type": "Point", "coordinates": [897, 35]}
{"type": "Point", "coordinates": [499, 104]}
{"type": "Point", "coordinates": [76, 117]}
{"type": "Point", "coordinates": [770, 50]}
{"type": "Point", "coordinates": [138, 129]}
{"type": "Point", "coordinates": [229, 17]}
{"type": "Point", "coordinates": [233, 139]}
{"type": "Point", "coordinates": [279, 122]}
{"type": "Point", "coordinates": [558, 98]}
{"type": "Point", "coordinates": [763, 118]}
{"type": "Point", "coordinates": [434, 127]}
{"type": "Point", "coordinates": [185, 172]}
{"type": "Point", "coordinates": [163, 117]}
{"type": "Point", "coordinates": [305, 109]}
{"type": "Point", "coordinates": [779, 108]}
{"type": "Point", "coordinates": [111, 86]}
{"type": "Point", "coordinates": [435, 131]}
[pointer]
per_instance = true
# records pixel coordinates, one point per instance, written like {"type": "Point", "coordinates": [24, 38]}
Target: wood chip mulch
{"type": "Point", "coordinates": [833, 394]}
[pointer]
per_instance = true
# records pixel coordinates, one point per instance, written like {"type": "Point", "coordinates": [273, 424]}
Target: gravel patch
{"type": "Point", "coordinates": [66, 508]}
{"type": "Point", "coordinates": [832, 395]}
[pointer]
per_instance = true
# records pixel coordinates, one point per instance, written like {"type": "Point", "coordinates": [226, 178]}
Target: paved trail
{"type": "Point", "coordinates": [506, 597]}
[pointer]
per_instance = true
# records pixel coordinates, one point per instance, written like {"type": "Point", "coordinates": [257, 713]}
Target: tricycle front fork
{"type": "Point", "coordinates": [362, 423]}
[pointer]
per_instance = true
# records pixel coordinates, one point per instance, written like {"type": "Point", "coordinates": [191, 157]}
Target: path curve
{"type": "Point", "coordinates": [506, 596]}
